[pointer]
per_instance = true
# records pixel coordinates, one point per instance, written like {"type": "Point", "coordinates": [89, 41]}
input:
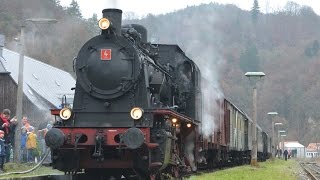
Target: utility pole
{"type": "Point", "coordinates": [281, 140]}
{"type": "Point", "coordinates": [254, 77]}
{"type": "Point", "coordinates": [273, 148]}
{"type": "Point", "coordinates": [16, 157]}
{"type": "Point", "coordinates": [254, 161]}
{"type": "Point", "coordinates": [282, 136]}
{"type": "Point", "coordinates": [19, 110]}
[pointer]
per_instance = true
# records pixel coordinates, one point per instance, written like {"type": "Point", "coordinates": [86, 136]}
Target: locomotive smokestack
{"type": "Point", "coordinates": [115, 16]}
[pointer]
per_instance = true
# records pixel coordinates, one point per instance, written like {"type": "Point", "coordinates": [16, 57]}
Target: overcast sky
{"type": "Point", "coordinates": [143, 7]}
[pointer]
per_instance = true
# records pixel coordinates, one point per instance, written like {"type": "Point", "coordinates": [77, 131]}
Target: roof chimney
{"type": "Point", "coordinates": [2, 39]}
{"type": "Point", "coordinates": [2, 68]}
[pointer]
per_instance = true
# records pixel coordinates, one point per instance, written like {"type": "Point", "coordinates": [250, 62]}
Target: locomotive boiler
{"type": "Point", "coordinates": [136, 107]}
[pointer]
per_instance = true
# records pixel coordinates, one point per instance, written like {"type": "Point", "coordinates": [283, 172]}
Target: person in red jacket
{"type": "Point", "coordinates": [7, 126]}
{"type": "Point", "coordinates": [4, 122]}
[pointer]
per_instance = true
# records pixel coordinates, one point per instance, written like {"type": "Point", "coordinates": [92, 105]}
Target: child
{"type": "Point", "coordinates": [23, 148]}
{"type": "Point", "coordinates": [2, 151]}
{"type": "Point", "coordinates": [31, 144]}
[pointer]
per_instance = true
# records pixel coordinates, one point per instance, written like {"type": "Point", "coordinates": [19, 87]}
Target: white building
{"type": "Point", "coordinates": [313, 150]}
{"type": "Point", "coordinates": [295, 149]}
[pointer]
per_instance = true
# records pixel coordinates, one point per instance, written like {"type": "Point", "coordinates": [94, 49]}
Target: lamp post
{"type": "Point", "coordinates": [280, 135]}
{"type": "Point", "coordinates": [272, 140]}
{"type": "Point", "coordinates": [20, 82]}
{"type": "Point", "coordinates": [254, 77]}
{"type": "Point", "coordinates": [277, 129]}
{"type": "Point", "coordinates": [282, 138]}
{"type": "Point", "coordinates": [316, 125]}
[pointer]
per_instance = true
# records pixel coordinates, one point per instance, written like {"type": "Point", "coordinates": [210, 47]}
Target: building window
{"type": "Point", "coordinates": [30, 92]}
{"type": "Point", "coordinates": [57, 83]}
{"type": "Point", "coordinates": [35, 76]}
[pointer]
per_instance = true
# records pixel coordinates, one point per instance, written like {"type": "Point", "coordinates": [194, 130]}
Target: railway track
{"type": "Point", "coordinates": [312, 169]}
{"type": "Point", "coordinates": [44, 177]}
{"type": "Point", "coordinates": [83, 176]}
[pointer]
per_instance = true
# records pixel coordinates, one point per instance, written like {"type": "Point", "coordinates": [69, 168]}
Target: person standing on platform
{"type": "Point", "coordinates": [2, 151]}
{"type": "Point", "coordinates": [8, 127]}
{"type": "Point", "coordinates": [285, 154]}
{"type": "Point", "coordinates": [25, 123]}
{"type": "Point", "coordinates": [31, 145]}
{"type": "Point", "coordinates": [23, 149]}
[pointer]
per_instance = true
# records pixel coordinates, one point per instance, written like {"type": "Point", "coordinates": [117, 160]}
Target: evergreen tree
{"type": "Point", "coordinates": [312, 50]}
{"type": "Point", "coordinates": [249, 59]}
{"type": "Point", "coordinates": [92, 25]}
{"type": "Point", "coordinates": [255, 11]}
{"type": "Point", "coordinates": [55, 2]}
{"type": "Point", "coordinates": [74, 9]}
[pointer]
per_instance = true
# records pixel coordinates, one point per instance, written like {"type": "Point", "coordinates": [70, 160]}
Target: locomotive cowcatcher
{"type": "Point", "coordinates": [135, 111]}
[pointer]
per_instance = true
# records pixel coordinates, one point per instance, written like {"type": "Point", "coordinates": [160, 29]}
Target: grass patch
{"type": "Point", "coordinates": [269, 170]}
{"type": "Point", "coordinates": [13, 167]}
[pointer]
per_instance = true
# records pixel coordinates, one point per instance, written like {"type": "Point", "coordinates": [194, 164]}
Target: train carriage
{"type": "Point", "coordinates": [259, 143]}
{"type": "Point", "coordinates": [269, 147]}
{"type": "Point", "coordinates": [237, 132]}
{"type": "Point", "coordinates": [265, 146]}
{"type": "Point", "coordinates": [248, 137]}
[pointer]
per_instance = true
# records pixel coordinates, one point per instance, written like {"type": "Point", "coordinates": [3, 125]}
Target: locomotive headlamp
{"type": "Point", "coordinates": [65, 113]}
{"type": "Point", "coordinates": [104, 23]}
{"type": "Point", "coordinates": [189, 125]}
{"type": "Point", "coordinates": [174, 120]}
{"type": "Point", "coordinates": [136, 113]}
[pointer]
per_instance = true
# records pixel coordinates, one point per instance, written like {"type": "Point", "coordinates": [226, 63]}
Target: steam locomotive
{"type": "Point", "coordinates": [137, 112]}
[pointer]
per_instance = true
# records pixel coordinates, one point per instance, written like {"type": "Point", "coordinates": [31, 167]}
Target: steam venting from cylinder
{"type": "Point", "coordinates": [115, 17]}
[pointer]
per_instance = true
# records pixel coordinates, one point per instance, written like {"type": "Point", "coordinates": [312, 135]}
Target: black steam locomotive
{"type": "Point", "coordinates": [130, 97]}
{"type": "Point", "coordinates": [136, 110]}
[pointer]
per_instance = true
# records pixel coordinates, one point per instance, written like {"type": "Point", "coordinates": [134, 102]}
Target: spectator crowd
{"type": "Point", "coordinates": [32, 144]}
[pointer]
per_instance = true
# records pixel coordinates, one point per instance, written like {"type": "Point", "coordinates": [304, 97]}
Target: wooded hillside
{"type": "Point", "coordinates": [224, 39]}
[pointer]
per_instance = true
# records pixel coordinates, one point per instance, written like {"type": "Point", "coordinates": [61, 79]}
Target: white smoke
{"type": "Point", "coordinates": [111, 4]}
{"type": "Point", "coordinates": [189, 151]}
{"type": "Point", "coordinates": [209, 63]}
{"type": "Point", "coordinates": [211, 93]}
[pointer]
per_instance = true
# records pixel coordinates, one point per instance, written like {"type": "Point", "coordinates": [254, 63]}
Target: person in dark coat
{"type": "Point", "coordinates": [2, 151]}
{"type": "Point", "coordinates": [285, 154]}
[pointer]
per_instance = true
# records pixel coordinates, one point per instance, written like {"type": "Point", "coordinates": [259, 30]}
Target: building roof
{"type": "Point", "coordinates": [40, 79]}
{"type": "Point", "coordinates": [313, 147]}
{"type": "Point", "coordinates": [2, 68]}
{"type": "Point", "coordinates": [293, 144]}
